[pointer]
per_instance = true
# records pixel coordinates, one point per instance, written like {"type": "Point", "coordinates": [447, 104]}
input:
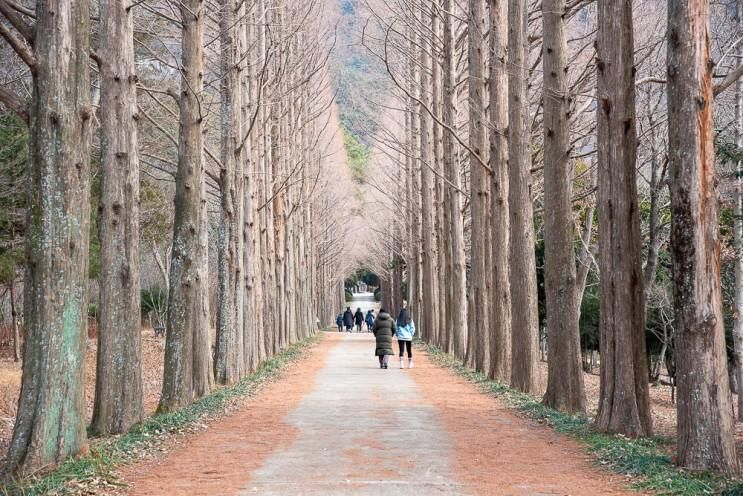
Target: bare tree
{"type": "Point", "coordinates": [50, 423]}
{"type": "Point", "coordinates": [705, 419]}
{"type": "Point", "coordinates": [565, 377]}
{"type": "Point", "coordinates": [118, 388]}
{"type": "Point", "coordinates": [624, 404]}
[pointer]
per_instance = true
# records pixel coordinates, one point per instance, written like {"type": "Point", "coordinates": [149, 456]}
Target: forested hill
{"type": "Point", "coordinates": [358, 77]}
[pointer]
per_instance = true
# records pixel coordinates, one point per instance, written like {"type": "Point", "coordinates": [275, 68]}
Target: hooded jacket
{"type": "Point", "coordinates": [384, 329]}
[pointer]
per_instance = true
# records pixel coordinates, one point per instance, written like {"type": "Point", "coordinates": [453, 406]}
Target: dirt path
{"type": "Point", "coordinates": [337, 425]}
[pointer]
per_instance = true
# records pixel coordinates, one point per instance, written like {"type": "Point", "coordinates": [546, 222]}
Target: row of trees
{"type": "Point", "coordinates": [513, 116]}
{"type": "Point", "coordinates": [162, 89]}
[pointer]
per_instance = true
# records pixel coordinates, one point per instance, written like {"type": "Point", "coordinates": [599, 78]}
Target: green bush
{"type": "Point", "coordinates": [377, 295]}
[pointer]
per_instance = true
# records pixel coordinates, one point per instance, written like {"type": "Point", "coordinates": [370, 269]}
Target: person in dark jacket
{"type": "Point", "coordinates": [348, 319]}
{"type": "Point", "coordinates": [359, 317]}
{"type": "Point", "coordinates": [339, 322]}
{"type": "Point", "coordinates": [384, 329]}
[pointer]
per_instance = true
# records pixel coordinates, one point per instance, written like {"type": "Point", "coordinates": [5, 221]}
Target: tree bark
{"type": "Point", "coordinates": [185, 296]}
{"type": "Point", "coordinates": [705, 420]}
{"type": "Point", "coordinates": [624, 403]}
{"type": "Point", "coordinates": [428, 319]}
{"type": "Point", "coordinates": [523, 275]}
{"type": "Point", "coordinates": [226, 364]}
{"type": "Point", "coordinates": [738, 229]}
{"type": "Point", "coordinates": [480, 191]}
{"type": "Point", "coordinates": [118, 388]}
{"type": "Point", "coordinates": [500, 315]}
{"type": "Point", "coordinates": [457, 268]}
{"type": "Point", "coordinates": [50, 423]}
{"type": "Point", "coordinates": [565, 376]}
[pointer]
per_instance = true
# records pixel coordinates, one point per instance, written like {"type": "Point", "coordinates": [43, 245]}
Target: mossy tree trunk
{"type": "Point", "coordinates": [50, 423]}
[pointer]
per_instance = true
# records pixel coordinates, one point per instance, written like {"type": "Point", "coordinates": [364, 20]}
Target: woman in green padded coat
{"type": "Point", "coordinates": [384, 329]}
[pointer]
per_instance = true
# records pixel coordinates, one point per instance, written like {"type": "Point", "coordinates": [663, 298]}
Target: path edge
{"type": "Point", "coordinates": [643, 460]}
{"type": "Point", "coordinates": [97, 470]}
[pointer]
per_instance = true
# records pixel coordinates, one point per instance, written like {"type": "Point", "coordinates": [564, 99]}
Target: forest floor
{"type": "Point", "coordinates": [337, 424]}
{"type": "Point", "coordinates": [153, 355]}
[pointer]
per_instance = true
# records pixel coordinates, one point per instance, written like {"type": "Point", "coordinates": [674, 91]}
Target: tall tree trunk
{"type": "Point", "coordinates": [14, 317]}
{"type": "Point", "coordinates": [50, 423]}
{"type": "Point", "coordinates": [118, 388]}
{"type": "Point", "coordinates": [705, 420]}
{"type": "Point", "coordinates": [186, 274]}
{"type": "Point", "coordinates": [427, 313]}
{"type": "Point", "coordinates": [457, 270]}
{"type": "Point", "coordinates": [480, 190]}
{"type": "Point", "coordinates": [226, 364]}
{"type": "Point", "coordinates": [565, 376]}
{"type": "Point", "coordinates": [523, 275]}
{"type": "Point", "coordinates": [203, 370]}
{"type": "Point", "coordinates": [738, 229]}
{"type": "Point", "coordinates": [624, 403]}
{"type": "Point", "coordinates": [500, 317]}
{"type": "Point", "coordinates": [439, 221]}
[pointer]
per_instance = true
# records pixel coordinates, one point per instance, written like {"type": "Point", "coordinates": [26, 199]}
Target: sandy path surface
{"type": "Point", "coordinates": [338, 425]}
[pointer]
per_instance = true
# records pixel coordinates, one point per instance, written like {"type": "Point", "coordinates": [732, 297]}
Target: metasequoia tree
{"type": "Point", "coordinates": [50, 423]}
{"type": "Point", "coordinates": [229, 349]}
{"type": "Point", "coordinates": [522, 263]}
{"type": "Point", "coordinates": [624, 404]}
{"type": "Point", "coordinates": [565, 377]}
{"type": "Point", "coordinates": [500, 314]}
{"type": "Point", "coordinates": [456, 270]}
{"type": "Point", "coordinates": [118, 388]}
{"type": "Point", "coordinates": [738, 227]}
{"type": "Point", "coordinates": [478, 340]}
{"type": "Point", "coordinates": [705, 419]}
{"type": "Point", "coordinates": [187, 284]}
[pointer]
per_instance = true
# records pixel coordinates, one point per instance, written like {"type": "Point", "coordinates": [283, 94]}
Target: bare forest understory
{"type": "Point", "coordinates": [153, 350]}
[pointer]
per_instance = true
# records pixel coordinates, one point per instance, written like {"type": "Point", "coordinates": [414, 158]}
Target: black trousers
{"type": "Point", "coordinates": [403, 345]}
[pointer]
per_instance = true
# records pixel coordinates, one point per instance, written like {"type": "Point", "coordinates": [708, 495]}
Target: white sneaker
{"type": "Point", "coordinates": [410, 364]}
{"type": "Point", "coordinates": [401, 364]}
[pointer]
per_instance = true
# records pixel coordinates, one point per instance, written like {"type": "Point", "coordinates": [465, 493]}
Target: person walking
{"type": "Point", "coordinates": [369, 320]}
{"type": "Point", "coordinates": [348, 319]}
{"type": "Point", "coordinates": [405, 333]}
{"type": "Point", "coordinates": [359, 317]}
{"type": "Point", "coordinates": [339, 322]}
{"type": "Point", "coordinates": [384, 329]}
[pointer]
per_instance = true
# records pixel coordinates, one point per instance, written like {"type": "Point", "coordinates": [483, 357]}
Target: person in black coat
{"type": "Point", "coordinates": [348, 319]}
{"type": "Point", "coordinates": [359, 316]}
{"type": "Point", "coordinates": [384, 329]}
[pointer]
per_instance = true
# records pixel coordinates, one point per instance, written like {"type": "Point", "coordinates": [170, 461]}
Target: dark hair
{"type": "Point", "coordinates": [404, 318]}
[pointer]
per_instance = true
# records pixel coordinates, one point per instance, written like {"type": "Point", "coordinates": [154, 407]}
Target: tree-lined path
{"type": "Point", "coordinates": [337, 425]}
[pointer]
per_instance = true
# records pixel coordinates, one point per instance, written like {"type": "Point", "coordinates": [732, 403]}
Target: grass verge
{"type": "Point", "coordinates": [95, 472]}
{"type": "Point", "coordinates": [646, 463]}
